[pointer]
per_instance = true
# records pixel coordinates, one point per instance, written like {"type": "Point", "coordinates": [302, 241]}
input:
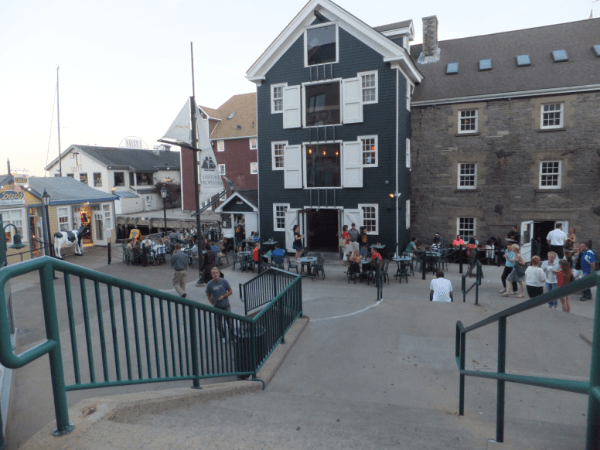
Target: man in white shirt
{"type": "Point", "coordinates": [440, 289]}
{"type": "Point", "coordinates": [556, 240]}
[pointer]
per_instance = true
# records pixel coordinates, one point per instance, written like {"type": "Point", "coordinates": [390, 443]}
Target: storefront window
{"type": "Point", "coordinates": [14, 216]}
{"type": "Point", "coordinates": [63, 219]}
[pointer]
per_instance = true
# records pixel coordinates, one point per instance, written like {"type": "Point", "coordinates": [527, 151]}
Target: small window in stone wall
{"type": "Point", "coordinates": [550, 174]}
{"type": "Point", "coordinates": [467, 121]}
{"type": "Point", "coordinates": [467, 176]}
{"type": "Point", "coordinates": [552, 116]}
{"type": "Point", "coordinates": [465, 227]}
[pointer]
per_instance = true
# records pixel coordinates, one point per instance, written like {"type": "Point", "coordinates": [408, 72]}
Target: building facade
{"type": "Point", "coordinates": [333, 109]}
{"type": "Point", "coordinates": [505, 132]}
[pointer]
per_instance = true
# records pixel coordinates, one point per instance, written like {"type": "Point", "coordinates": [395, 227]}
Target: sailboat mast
{"type": "Point", "coordinates": [194, 136]}
{"type": "Point", "coordinates": [58, 118]}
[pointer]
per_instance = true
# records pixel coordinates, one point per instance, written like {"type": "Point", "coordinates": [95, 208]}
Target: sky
{"type": "Point", "coordinates": [125, 65]}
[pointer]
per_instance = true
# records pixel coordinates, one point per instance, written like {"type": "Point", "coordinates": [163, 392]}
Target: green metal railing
{"type": "Point", "coordinates": [149, 336]}
{"type": "Point", "coordinates": [478, 276]}
{"type": "Point", "coordinates": [591, 388]}
{"type": "Point", "coordinates": [261, 289]}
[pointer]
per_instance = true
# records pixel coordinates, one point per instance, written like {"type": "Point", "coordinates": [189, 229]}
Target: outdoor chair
{"type": "Point", "coordinates": [409, 265]}
{"type": "Point", "coordinates": [132, 257]}
{"type": "Point", "coordinates": [146, 256]}
{"type": "Point", "coordinates": [290, 265]}
{"type": "Point", "coordinates": [319, 266]}
{"type": "Point", "coordinates": [278, 261]}
{"type": "Point", "coordinates": [161, 255]}
{"type": "Point", "coordinates": [442, 259]}
{"type": "Point", "coordinates": [384, 271]}
{"type": "Point", "coordinates": [236, 260]}
{"type": "Point", "coordinates": [353, 272]}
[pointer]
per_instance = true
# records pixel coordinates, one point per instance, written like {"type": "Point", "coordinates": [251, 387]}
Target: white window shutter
{"type": "Point", "coordinates": [292, 117]}
{"type": "Point", "coordinates": [293, 167]}
{"type": "Point", "coordinates": [352, 159]}
{"type": "Point", "coordinates": [352, 95]}
{"type": "Point", "coordinates": [352, 216]}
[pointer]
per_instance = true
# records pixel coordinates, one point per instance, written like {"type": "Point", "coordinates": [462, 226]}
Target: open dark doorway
{"type": "Point", "coordinates": [322, 230]}
{"type": "Point", "coordinates": [540, 232]}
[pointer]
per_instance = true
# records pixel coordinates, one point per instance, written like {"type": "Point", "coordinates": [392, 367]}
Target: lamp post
{"type": "Point", "coordinates": [163, 193]}
{"type": "Point", "coordinates": [17, 242]}
{"type": "Point", "coordinates": [48, 250]}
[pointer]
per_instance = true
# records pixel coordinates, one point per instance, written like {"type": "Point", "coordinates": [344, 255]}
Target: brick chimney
{"type": "Point", "coordinates": [430, 36]}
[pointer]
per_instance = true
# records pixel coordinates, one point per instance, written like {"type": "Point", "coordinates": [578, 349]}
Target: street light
{"type": "Point", "coordinates": [163, 193]}
{"type": "Point", "coordinates": [48, 250]}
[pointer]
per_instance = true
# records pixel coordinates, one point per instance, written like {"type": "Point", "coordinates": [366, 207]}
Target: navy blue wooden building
{"type": "Point", "coordinates": [333, 111]}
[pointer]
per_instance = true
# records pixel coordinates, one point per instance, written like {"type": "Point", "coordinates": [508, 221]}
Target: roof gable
{"type": "Point", "coordinates": [243, 122]}
{"type": "Point", "coordinates": [390, 51]}
{"type": "Point", "coordinates": [238, 196]}
{"type": "Point", "coordinates": [66, 190]}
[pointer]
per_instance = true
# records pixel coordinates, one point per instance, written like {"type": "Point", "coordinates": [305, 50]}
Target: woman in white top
{"type": "Point", "coordinates": [551, 268]}
{"type": "Point", "coordinates": [535, 278]}
{"type": "Point", "coordinates": [440, 289]}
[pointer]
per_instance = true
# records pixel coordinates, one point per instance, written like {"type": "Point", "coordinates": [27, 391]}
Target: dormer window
{"type": "Point", "coordinates": [321, 44]}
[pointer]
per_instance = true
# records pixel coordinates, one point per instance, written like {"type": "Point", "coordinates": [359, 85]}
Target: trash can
{"type": "Point", "coordinates": [243, 347]}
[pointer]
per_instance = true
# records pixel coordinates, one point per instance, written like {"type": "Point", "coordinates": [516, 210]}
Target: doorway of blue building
{"type": "Point", "coordinates": [322, 230]}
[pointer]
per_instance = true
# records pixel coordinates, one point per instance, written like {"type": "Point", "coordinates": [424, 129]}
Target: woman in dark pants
{"type": "Point", "coordinates": [535, 278]}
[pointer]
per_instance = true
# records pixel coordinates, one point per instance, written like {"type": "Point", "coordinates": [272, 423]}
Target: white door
{"type": "Point", "coordinates": [99, 234]}
{"type": "Point", "coordinates": [251, 224]}
{"type": "Point", "coordinates": [352, 216]}
{"type": "Point", "coordinates": [291, 220]}
{"type": "Point", "coordinates": [526, 237]}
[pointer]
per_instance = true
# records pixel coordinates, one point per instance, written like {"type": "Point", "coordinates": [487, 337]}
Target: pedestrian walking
{"type": "Point", "coordinates": [179, 262]}
{"type": "Point", "coordinates": [588, 265]}
{"type": "Point", "coordinates": [556, 240]}
{"type": "Point", "coordinates": [508, 256]}
{"type": "Point", "coordinates": [564, 277]}
{"type": "Point", "coordinates": [218, 291]}
{"type": "Point", "coordinates": [551, 268]}
{"type": "Point", "coordinates": [518, 271]}
{"type": "Point", "coordinates": [297, 245]}
{"type": "Point", "coordinates": [353, 233]}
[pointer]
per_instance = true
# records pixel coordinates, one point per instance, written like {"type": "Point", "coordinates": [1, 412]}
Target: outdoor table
{"type": "Point", "coordinates": [378, 247]}
{"type": "Point", "coordinates": [245, 256]}
{"type": "Point", "coordinates": [306, 261]}
{"type": "Point", "coordinates": [268, 245]}
{"type": "Point", "coordinates": [401, 261]}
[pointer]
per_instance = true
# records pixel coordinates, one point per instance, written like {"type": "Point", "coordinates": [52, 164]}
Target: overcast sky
{"type": "Point", "coordinates": [125, 64]}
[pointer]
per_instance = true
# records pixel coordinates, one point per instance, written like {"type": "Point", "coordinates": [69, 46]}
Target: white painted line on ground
{"type": "Point", "coordinates": [348, 315]}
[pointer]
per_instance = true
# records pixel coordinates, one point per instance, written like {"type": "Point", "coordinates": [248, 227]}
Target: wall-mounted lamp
{"type": "Point", "coordinates": [395, 194]}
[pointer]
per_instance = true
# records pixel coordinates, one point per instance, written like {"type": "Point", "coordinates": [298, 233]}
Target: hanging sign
{"type": "Point", "coordinates": [20, 180]}
{"type": "Point", "coordinates": [12, 198]}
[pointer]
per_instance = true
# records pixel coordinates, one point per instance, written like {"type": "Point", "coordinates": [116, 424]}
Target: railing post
{"type": "Point", "coordinates": [593, 416]}
{"type": "Point", "coordinates": [460, 259]}
{"type": "Point", "coordinates": [477, 282]}
{"type": "Point", "coordinates": [59, 392]}
{"type": "Point", "coordinates": [461, 387]}
{"type": "Point", "coordinates": [2, 441]}
{"type": "Point", "coordinates": [194, 338]}
{"type": "Point", "coordinates": [281, 321]}
{"type": "Point", "coordinates": [500, 383]}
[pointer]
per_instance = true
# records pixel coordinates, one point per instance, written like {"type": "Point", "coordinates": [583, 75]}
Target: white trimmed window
{"type": "Point", "coordinates": [321, 44]}
{"type": "Point", "coordinates": [107, 217]}
{"type": "Point", "coordinates": [253, 144]}
{"type": "Point", "coordinates": [15, 217]}
{"type": "Point", "coordinates": [465, 227]}
{"type": "Point", "coordinates": [277, 98]}
{"type": "Point", "coordinates": [467, 121]}
{"type": "Point", "coordinates": [407, 153]}
{"type": "Point", "coordinates": [64, 219]}
{"type": "Point", "coordinates": [253, 168]}
{"type": "Point", "coordinates": [553, 116]}
{"type": "Point", "coordinates": [467, 176]}
{"type": "Point", "coordinates": [369, 86]}
{"type": "Point", "coordinates": [369, 150]}
{"type": "Point", "coordinates": [407, 214]}
{"type": "Point", "coordinates": [220, 146]}
{"type": "Point", "coordinates": [550, 174]}
{"type": "Point", "coordinates": [222, 169]}
{"type": "Point", "coordinates": [279, 210]}
{"type": "Point", "coordinates": [370, 217]}
{"type": "Point", "coordinates": [277, 155]}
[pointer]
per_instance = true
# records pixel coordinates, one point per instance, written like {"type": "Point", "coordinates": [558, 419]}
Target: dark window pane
{"type": "Point", "coordinates": [323, 165]}
{"type": "Point", "coordinates": [119, 179]}
{"type": "Point", "coordinates": [320, 45]}
{"type": "Point", "coordinates": [323, 104]}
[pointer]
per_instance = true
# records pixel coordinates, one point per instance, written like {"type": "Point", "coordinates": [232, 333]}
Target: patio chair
{"type": "Point", "coordinates": [236, 260]}
{"type": "Point", "coordinates": [384, 271]}
{"type": "Point", "coordinates": [290, 265]}
{"type": "Point", "coordinates": [353, 272]}
{"type": "Point", "coordinates": [409, 265]}
{"type": "Point", "coordinates": [442, 259]}
{"type": "Point", "coordinates": [132, 258]}
{"type": "Point", "coordinates": [319, 266]}
{"type": "Point", "coordinates": [278, 261]}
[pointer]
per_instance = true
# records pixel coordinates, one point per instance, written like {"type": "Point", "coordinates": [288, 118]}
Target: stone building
{"type": "Point", "coordinates": [504, 131]}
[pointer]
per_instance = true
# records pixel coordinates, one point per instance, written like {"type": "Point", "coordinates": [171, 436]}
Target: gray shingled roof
{"type": "Point", "coordinates": [5, 179]}
{"type": "Point", "coordinates": [67, 190]}
{"type": "Point", "coordinates": [577, 38]}
{"type": "Point", "coordinates": [249, 194]}
{"type": "Point", "coordinates": [127, 158]}
{"type": "Point", "coordinates": [393, 26]}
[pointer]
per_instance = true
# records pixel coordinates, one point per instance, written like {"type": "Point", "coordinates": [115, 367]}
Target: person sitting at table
{"type": "Point", "coordinates": [436, 246]}
{"type": "Point", "coordinates": [278, 255]}
{"type": "Point", "coordinates": [458, 241]}
{"type": "Point", "coordinates": [354, 260]}
{"type": "Point", "coordinates": [255, 253]}
{"type": "Point", "coordinates": [376, 257]}
{"type": "Point", "coordinates": [419, 244]}
{"type": "Point", "coordinates": [440, 289]}
{"type": "Point", "coordinates": [160, 251]}
{"type": "Point", "coordinates": [412, 246]}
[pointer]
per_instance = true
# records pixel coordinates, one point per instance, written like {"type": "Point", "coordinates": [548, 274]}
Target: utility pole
{"type": "Point", "coordinates": [58, 120]}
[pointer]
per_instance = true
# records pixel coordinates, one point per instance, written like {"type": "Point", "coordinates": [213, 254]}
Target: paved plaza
{"type": "Point", "coordinates": [363, 374]}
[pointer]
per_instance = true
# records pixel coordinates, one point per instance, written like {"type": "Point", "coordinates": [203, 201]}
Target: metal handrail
{"type": "Point", "coordinates": [478, 275]}
{"type": "Point", "coordinates": [591, 387]}
{"type": "Point", "coordinates": [166, 338]}
{"type": "Point", "coordinates": [265, 286]}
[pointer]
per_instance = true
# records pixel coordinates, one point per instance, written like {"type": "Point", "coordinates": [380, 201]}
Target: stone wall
{"type": "Point", "coordinates": [508, 149]}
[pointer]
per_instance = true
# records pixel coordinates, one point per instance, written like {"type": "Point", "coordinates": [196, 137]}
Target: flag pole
{"type": "Point", "coordinates": [200, 240]}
